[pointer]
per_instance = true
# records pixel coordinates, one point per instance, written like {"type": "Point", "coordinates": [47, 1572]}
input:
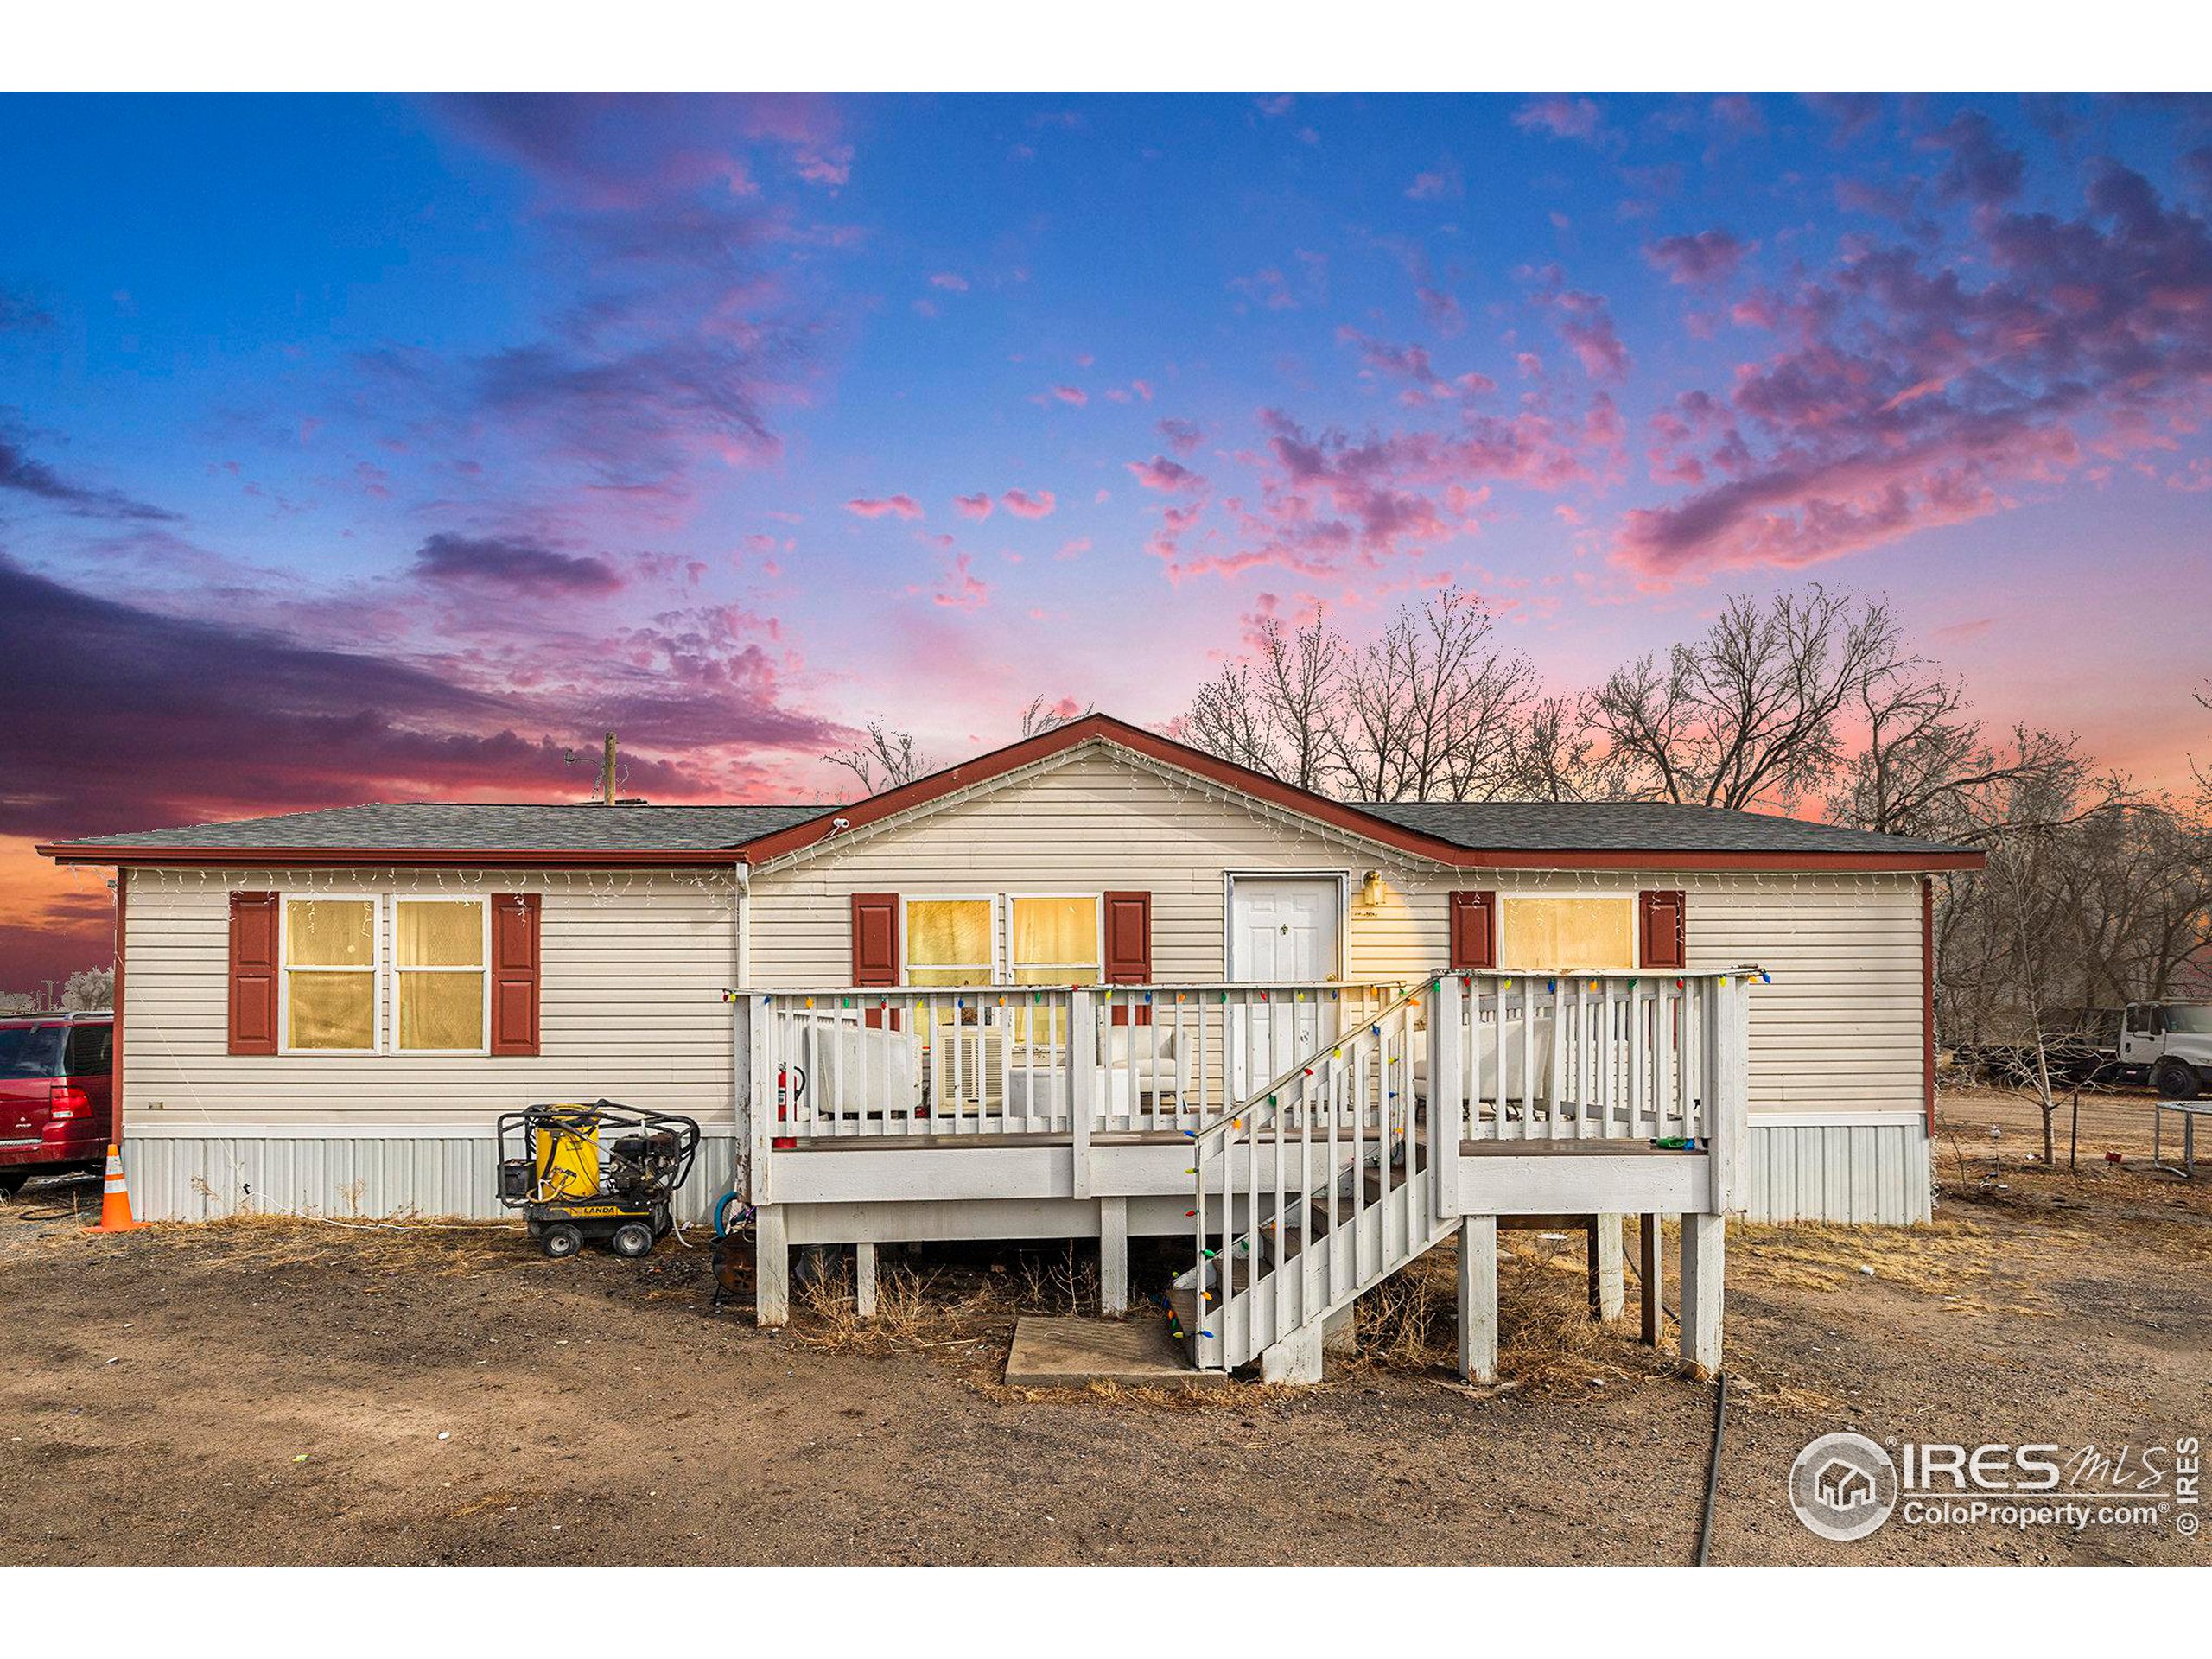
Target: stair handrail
{"type": "Point", "coordinates": [1230, 1122]}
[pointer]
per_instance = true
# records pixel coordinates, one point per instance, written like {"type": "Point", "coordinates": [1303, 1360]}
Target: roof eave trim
{"type": "Point", "coordinates": [390, 857]}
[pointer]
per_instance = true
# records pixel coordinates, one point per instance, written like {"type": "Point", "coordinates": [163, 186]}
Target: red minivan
{"type": "Point", "coordinates": [57, 1093]}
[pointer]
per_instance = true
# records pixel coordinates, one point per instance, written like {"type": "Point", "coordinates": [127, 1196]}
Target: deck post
{"type": "Point", "coordinates": [1113, 1257]}
{"type": "Point", "coordinates": [1445, 1091]}
{"type": "Point", "coordinates": [1612, 1280]}
{"type": "Point", "coordinates": [1704, 1273]}
{"type": "Point", "coordinates": [1478, 1299]}
{"type": "Point", "coordinates": [1340, 1332]}
{"type": "Point", "coordinates": [1647, 1272]}
{"type": "Point", "coordinates": [1083, 1058]}
{"type": "Point", "coordinates": [772, 1267]}
{"type": "Point", "coordinates": [1728, 1124]}
{"type": "Point", "coordinates": [864, 1279]}
{"type": "Point", "coordinates": [1296, 1358]}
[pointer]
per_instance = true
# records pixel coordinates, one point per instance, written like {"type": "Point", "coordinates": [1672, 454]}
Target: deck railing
{"type": "Point", "coordinates": [1584, 1056]}
{"type": "Point", "coordinates": [1014, 1059]}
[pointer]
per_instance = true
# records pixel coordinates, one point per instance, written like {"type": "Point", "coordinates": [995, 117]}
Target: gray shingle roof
{"type": "Point", "coordinates": [481, 827]}
{"type": "Point", "coordinates": [1632, 826]}
{"type": "Point", "coordinates": [492, 827]}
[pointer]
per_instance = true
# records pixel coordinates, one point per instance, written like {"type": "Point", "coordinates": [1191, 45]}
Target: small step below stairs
{"type": "Point", "coordinates": [1054, 1352]}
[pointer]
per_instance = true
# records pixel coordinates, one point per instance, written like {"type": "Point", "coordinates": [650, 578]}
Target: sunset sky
{"type": "Point", "coordinates": [360, 448]}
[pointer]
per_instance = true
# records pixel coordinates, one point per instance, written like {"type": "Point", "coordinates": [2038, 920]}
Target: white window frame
{"type": "Point", "coordinates": [1505, 958]}
{"type": "Point", "coordinates": [483, 969]}
{"type": "Point", "coordinates": [284, 971]}
{"type": "Point", "coordinates": [1097, 962]}
{"type": "Point", "coordinates": [906, 935]}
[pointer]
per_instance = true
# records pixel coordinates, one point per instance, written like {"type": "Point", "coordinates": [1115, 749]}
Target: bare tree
{"type": "Point", "coordinates": [887, 759]}
{"type": "Point", "coordinates": [89, 988]}
{"type": "Point", "coordinates": [1749, 715]}
{"type": "Point", "coordinates": [1278, 714]}
{"type": "Point", "coordinates": [1041, 716]}
{"type": "Point", "coordinates": [1435, 708]}
{"type": "Point", "coordinates": [1560, 758]}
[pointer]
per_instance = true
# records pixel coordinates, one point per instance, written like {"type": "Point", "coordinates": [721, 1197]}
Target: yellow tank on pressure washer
{"type": "Point", "coordinates": [567, 1156]}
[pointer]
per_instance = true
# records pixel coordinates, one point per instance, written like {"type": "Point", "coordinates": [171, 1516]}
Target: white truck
{"type": "Point", "coordinates": [2168, 1044]}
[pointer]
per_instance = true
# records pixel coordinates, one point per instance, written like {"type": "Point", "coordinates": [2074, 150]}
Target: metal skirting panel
{"type": "Point", "coordinates": [1842, 1171]}
{"type": "Point", "coordinates": [200, 1178]}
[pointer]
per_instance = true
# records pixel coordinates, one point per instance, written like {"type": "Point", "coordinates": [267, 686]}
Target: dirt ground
{"type": "Point", "coordinates": [268, 1391]}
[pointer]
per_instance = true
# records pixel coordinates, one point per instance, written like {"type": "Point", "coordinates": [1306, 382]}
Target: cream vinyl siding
{"type": "Point", "coordinates": [631, 1005]}
{"type": "Point", "coordinates": [1839, 1029]}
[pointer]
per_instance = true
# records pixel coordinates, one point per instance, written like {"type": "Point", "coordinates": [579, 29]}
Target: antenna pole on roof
{"type": "Point", "coordinates": [608, 775]}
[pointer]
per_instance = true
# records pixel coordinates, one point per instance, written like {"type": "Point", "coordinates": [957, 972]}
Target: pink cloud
{"type": "Point", "coordinates": [1440, 183]}
{"type": "Point", "coordinates": [950, 281]}
{"type": "Point", "coordinates": [1022, 504]}
{"type": "Point", "coordinates": [1562, 117]}
{"type": "Point", "coordinates": [1074, 395]}
{"type": "Point", "coordinates": [1183, 437]}
{"type": "Point", "coordinates": [1698, 261]}
{"type": "Point", "coordinates": [1584, 321]}
{"type": "Point", "coordinates": [977, 506]}
{"type": "Point", "coordinates": [958, 586]}
{"type": "Point", "coordinates": [879, 507]}
{"type": "Point", "coordinates": [1920, 387]}
{"type": "Point", "coordinates": [1169, 477]}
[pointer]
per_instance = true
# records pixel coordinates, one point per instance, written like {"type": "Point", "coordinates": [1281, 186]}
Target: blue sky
{"type": "Point", "coordinates": [421, 438]}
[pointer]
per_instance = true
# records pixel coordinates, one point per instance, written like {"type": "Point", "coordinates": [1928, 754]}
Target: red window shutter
{"type": "Point", "coordinates": [253, 973]}
{"type": "Point", "coordinates": [1660, 941]}
{"type": "Point", "coordinates": [1128, 939]}
{"type": "Point", "coordinates": [1474, 930]}
{"type": "Point", "coordinates": [516, 971]}
{"type": "Point", "coordinates": [1129, 947]}
{"type": "Point", "coordinates": [875, 938]}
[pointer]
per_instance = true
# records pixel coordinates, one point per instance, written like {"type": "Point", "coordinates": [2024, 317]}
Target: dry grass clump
{"type": "Point", "coordinates": [1546, 1336]}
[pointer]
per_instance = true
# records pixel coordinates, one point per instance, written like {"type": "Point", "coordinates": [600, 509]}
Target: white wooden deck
{"type": "Point", "coordinates": [1309, 1140]}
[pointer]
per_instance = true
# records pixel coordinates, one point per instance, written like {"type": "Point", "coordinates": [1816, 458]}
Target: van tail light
{"type": "Point", "coordinates": [69, 1100]}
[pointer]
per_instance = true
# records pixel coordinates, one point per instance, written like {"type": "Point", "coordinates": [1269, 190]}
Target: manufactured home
{"type": "Point", "coordinates": [1095, 984]}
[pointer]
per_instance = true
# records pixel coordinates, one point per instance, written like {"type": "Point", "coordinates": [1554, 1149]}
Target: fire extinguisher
{"type": "Point", "coordinates": [791, 1083]}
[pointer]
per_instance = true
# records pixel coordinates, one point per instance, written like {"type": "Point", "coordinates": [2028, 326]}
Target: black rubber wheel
{"type": "Point", "coordinates": [2175, 1080]}
{"type": "Point", "coordinates": [632, 1239]}
{"type": "Point", "coordinates": [562, 1240]}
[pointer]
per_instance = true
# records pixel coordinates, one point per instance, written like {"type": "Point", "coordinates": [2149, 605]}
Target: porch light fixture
{"type": "Point", "coordinates": [1370, 890]}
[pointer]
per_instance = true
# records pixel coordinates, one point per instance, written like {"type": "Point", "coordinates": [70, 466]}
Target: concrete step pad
{"type": "Point", "coordinates": [1059, 1352]}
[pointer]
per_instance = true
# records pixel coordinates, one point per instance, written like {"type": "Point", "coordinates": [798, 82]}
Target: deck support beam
{"type": "Point", "coordinates": [1113, 1257]}
{"type": "Point", "coordinates": [1647, 1277]}
{"type": "Point", "coordinates": [1609, 1284]}
{"type": "Point", "coordinates": [1478, 1299]}
{"type": "Point", "coordinates": [864, 1280]}
{"type": "Point", "coordinates": [1704, 1276]}
{"type": "Point", "coordinates": [772, 1267]}
{"type": "Point", "coordinates": [1340, 1332]}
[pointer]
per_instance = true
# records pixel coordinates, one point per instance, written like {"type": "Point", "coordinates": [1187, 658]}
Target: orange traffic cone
{"type": "Point", "coordinates": [115, 1198]}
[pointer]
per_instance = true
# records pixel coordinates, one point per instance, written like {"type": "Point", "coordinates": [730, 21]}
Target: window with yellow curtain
{"type": "Point", "coordinates": [330, 973]}
{"type": "Point", "coordinates": [439, 974]}
{"type": "Point", "coordinates": [1055, 940]}
{"type": "Point", "coordinates": [1568, 933]}
{"type": "Point", "coordinates": [949, 942]}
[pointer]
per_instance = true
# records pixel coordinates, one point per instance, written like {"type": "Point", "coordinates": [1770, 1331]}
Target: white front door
{"type": "Point", "coordinates": [1282, 929]}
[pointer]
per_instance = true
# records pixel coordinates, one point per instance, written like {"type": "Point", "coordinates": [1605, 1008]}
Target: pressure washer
{"type": "Point", "coordinates": [603, 1171]}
